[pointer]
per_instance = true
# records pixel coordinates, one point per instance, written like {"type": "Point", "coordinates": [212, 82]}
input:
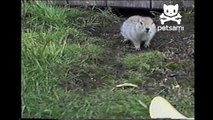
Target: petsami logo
{"type": "Point", "coordinates": [170, 13]}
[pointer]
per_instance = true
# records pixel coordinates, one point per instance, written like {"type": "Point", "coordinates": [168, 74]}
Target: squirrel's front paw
{"type": "Point", "coordinates": [138, 49]}
{"type": "Point", "coordinates": [146, 45]}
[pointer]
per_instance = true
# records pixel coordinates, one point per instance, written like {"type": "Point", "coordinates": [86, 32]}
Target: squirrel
{"type": "Point", "coordinates": [137, 29]}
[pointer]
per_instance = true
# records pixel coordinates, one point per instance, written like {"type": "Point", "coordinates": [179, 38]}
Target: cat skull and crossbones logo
{"type": "Point", "coordinates": [170, 14]}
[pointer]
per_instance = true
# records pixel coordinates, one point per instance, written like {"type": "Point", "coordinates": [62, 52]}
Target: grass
{"type": "Point", "coordinates": [69, 74]}
{"type": "Point", "coordinates": [145, 63]}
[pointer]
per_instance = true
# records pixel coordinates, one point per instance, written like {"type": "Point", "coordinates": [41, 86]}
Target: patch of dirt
{"type": "Point", "coordinates": [179, 48]}
{"type": "Point", "coordinates": [82, 79]}
{"type": "Point", "coordinates": [83, 84]}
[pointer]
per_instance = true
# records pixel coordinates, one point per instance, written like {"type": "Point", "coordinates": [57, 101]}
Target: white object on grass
{"type": "Point", "coordinates": [161, 108]}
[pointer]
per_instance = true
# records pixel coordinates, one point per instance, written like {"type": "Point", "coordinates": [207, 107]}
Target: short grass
{"type": "Point", "coordinates": [69, 74]}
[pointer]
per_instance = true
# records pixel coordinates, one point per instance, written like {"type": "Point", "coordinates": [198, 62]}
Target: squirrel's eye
{"type": "Point", "coordinates": [141, 23]}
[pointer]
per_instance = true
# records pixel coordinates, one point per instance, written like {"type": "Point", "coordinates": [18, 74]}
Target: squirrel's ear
{"type": "Point", "coordinates": [176, 5]}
